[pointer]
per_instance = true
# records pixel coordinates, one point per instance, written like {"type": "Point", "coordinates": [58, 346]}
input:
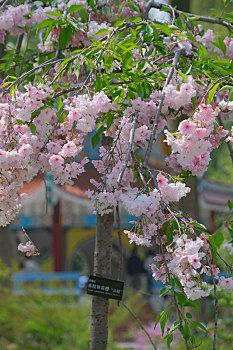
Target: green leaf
{"type": "Point", "coordinates": [164, 29]}
{"type": "Point", "coordinates": [110, 121]}
{"type": "Point", "coordinates": [199, 325]}
{"type": "Point", "coordinates": [212, 93]}
{"type": "Point", "coordinates": [140, 90]}
{"type": "Point", "coordinates": [221, 45]}
{"type": "Point", "coordinates": [77, 68]}
{"type": "Point", "coordinates": [46, 33]}
{"type": "Point", "coordinates": [137, 19]}
{"type": "Point", "coordinates": [225, 88]}
{"type": "Point", "coordinates": [218, 238]}
{"type": "Point", "coordinates": [133, 6]}
{"type": "Point", "coordinates": [202, 50]}
{"type": "Point", "coordinates": [5, 84]}
{"type": "Point", "coordinates": [213, 246]}
{"type": "Point", "coordinates": [186, 332]}
{"type": "Point", "coordinates": [46, 23]}
{"type": "Point", "coordinates": [65, 37]}
{"type": "Point", "coordinates": [196, 224]}
{"type": "Point", "coordinates": [97, 137]}
{"type": "Point", "coordinates": [83, 14]}
{"type": "Point", "coordinates": [74, 8]}
{"type": "Point", "coordinates": [193, 305]}
{"type": "Point", "coordinates": [127, 60]}
{"type": "Point", "coordinates": [119, 23]}
{"type": "Point", "coordinates": [54, 13]}
{"type": "Point", "coordinates": [169, 235]}
{"type": "Point", "coordinates": [169, 341]}
{"type": "Point", "coordinates": [163, 292]}
{"type": "Point", "coordinates": [186, 174]}
{"type": "Point", "coordinates": [182, 299]}
{"type": "Point", "coordinates": [230, 205]}
{"type": "Point", "coordinates": [59, 104]}
{"type": "Point", "coordinates": [180, 23]}
{"type": "Point", "coordinates": [184, 76]}
{"type": "Point", "coordinates": [193, 341]}
{"type": "Point", "coordinates": [101, 32]}
{"type": "Point", "coordinates": [163, 321]}
{"type": "Point", "coordinates": [158, 318]}
{"type": "Point", "coordinates": [188, 315]}
{"type": "Point", "coordinates": [33, 129]}
{"type": "Point", "coordinates": [230, 98]}
{"type": "Point", "coordinates": [91, 3]}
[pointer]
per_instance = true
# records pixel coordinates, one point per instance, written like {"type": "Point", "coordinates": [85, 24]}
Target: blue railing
{"type": "Point", "coordinates": [25, 282]}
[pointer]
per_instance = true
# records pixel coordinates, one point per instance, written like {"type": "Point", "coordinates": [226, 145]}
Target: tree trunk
{"type": "Point", "coordinates": [6, 246]}
{"type": "Point", "coordinates": [102, 267]}
{"type": "Point", "coordinates": [182, 5]}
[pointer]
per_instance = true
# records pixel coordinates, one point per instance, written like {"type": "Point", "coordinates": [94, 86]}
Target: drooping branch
{"type": "Point", "coordinates": [130, 146]}
{"type": "Point", "coordinates": [157, 115]}
{"type": "Point", "coordinates": [215, 304]}
{"type": "Point", "coordinates": [140, 324]}
{"type": "Point", "coordinates": [159, 6]}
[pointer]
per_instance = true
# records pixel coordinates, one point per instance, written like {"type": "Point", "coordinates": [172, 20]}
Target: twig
{"type": "Point", "coordinates": [3, 3]}
{"type": "Point", "coordinates": [138, 169]}
{"type": "Point", "coordinates": [174, 297]}
{"type": "Point", "coordinates": [216, 82]}
{"type": "Point", "coordinates": [227, 265]}
{"type": "Point", "coordinates": [140, 324]}
{"type": "Point", "coordinates": [156, 120]}
{"type": "Point", "coordinates": [19, 43]}
{"type": "Point", "coordinates": [228, 143]}
{"type": "Point", "coordinates": [215, 304]}
{"type": "Point", "coordinates": [175, 218]}
{"type": "Point", "coordinates": [62, 70]}
{"type": "Point", "coordinates": [157, 5]}
{"type": "Point", "coordinates": [220, 257]}
{"type": "Point", "coordinates": [131, 138]}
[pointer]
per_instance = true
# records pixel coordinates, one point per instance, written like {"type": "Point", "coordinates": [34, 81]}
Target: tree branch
{"type": "Point", "coordinates": [157, 5]}
{"type": "Point", "coordinates": [27, 74]}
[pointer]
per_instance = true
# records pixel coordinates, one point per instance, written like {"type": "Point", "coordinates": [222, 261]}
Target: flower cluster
{"type": "Point", "coordinates": [35, 138]}
{"type": "Point", "coordinates": [192, 144]}
{"type": "Point", "coordinates": [184, 261]}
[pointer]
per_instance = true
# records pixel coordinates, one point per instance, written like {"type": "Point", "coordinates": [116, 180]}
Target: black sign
{"type": "Point", "coordinates": [104, 287]}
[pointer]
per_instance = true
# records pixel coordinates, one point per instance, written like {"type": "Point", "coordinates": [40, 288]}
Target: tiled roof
{"type": "Point", "coordinates": [78, 189]}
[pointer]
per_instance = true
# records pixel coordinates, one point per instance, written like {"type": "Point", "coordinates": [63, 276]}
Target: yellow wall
{"type": "Point", "coordinates": [75, 236]}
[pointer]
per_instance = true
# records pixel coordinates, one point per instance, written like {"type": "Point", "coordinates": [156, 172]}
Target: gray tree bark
{"type": "Point", "coordinates": [102, 267]}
